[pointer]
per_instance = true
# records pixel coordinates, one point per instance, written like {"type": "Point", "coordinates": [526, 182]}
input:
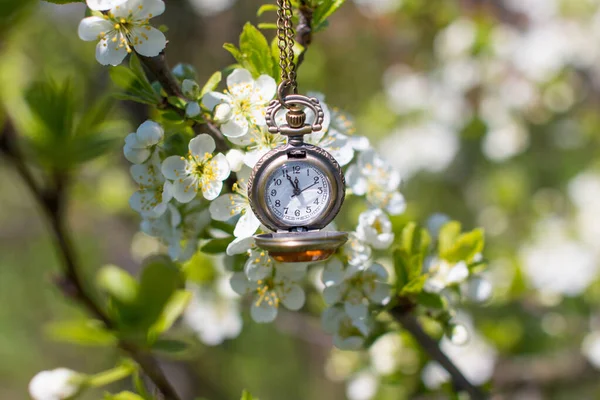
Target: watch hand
{"type": "Point", "coordinates": [297, 182]}
{"type": "Point", "coordinates": [308, 187]}
{"type": "Point", "coordinates": [294, 185]}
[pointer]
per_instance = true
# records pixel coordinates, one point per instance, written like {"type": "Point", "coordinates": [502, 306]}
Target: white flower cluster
{"type": "Point", "coordinates": [519, 78]}
{"type": "Point", "coordinates": [122, 27]}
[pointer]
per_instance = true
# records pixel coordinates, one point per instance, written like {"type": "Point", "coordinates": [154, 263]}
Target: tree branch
{"type": "Point", "coordinates": [304, 29]}
{"type": "Point", "coordinates": [52, 203]}
{"type": "Point", "coordinates": [431, 347]}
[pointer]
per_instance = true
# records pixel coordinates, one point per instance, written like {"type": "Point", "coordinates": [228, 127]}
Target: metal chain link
{"type": "Point", "coordinates": [285, 41]}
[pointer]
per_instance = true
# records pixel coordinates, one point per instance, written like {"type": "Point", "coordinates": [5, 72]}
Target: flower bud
{"type": "Point", "coordinates": [190, 89]}
{"type": "Point", "coordinates": [58, 384]}
{"type": "Point", "coordinates": [192, 109]}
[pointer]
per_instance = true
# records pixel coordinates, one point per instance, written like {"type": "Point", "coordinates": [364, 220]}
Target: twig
{"type": "Point", "coordinates": [304, 29]}
{"type": "Point", "coordinates": [431, 347]}
{"type": "Point", "coordinates": [52, 203]}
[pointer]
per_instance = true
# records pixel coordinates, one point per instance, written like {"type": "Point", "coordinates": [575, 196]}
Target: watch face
{"type": "Point", "coordinates": [297, 192]}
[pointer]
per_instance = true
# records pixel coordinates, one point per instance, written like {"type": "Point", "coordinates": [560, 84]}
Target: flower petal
{"type": "Point", "coordinates": [136, 156]}
{"type": "Point", "coordinates": [150, 42]}
{"type": "Point", "coordinates": [293, 297]}
{"type": "Point", "coordinates": [221, 208]}
{"type": "Point", "coordinates": [107, 53]}
{"type": "Point", "coordinates": [184, 190]}
{"type": "Point", "coordinates": [201, 145]}
{"type": "Point", "coordinates": [235, 128]}
{"type": "Point", "coordinates": [239, 283]}
{"type": "Point", "coordinates": [93, 28]}
{"type": "Point", "coordinates": [265, 87]}
{"type": "Point", "coordinates": [247, 224]}
{"type": "Point", "coordinates": [333, 273]}
{"type": "Point", "coordinates": [240, 246]}
{"type": "Point", "coordinates": [212, 190]}
{"type": "Point", "coordinates": [332, 294]}
{"type": "Point", "coordinates": [221, 165]}
{"type": "Point", "coordinates": [149, 9]}
{"type": "Point", "coordinates": [173, 167]}
{"type": "Point", "coordinates": [262, 311]}
{"type": "Point", "coordinates": [240, 81]}
{"type": "Point", "coordinates": [211, 99]}
{"type": "Point", "coordinates": [149, 133]}
{"type": "Point", "coordinates": [101, 5]}
{"type": "Point", "coordinates": [356, 310]}
{"type": "Point", "coordinates": [378, 293]}
{"type": "Point", "coordinates": [235, 158]}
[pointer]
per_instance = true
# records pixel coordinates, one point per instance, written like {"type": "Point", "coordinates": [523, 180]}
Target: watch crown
{"type": "Point", "coordinates": [296, 118]}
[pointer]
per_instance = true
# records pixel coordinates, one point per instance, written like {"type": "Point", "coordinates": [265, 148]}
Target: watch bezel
{"type": "Point", "coordinates": [276, 158]}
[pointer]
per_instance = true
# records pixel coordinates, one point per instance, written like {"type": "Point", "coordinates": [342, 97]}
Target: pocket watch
{"type": "Point", "coordinates": [297, 189]}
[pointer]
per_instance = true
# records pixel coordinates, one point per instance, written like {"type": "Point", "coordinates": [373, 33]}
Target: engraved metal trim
{"type": "Point", "coordinates": [290, 101]}
{"type": "Point", "coordinates": [274, 159]}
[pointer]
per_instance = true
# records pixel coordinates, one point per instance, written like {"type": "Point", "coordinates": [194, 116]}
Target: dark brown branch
{"type": "Point", "coordinates": [52, 203]}
{"type": "Point", "coordinates": [304, 29]}
{"type": "Point", "coordinates": [431, 347]}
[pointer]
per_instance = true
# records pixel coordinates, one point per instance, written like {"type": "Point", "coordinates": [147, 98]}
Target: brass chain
{"type": "Point", "coordinates": [285, 39]}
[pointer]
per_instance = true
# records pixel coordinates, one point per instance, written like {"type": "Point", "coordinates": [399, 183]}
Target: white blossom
{"type": "Point", "coordinates": [355, 287]}
{"type": "Point", "coordinates": [229, 205]}
{"type": "Point", "coordinates": [476, 360]}
{"type": "Point", "coordinates": [101, 5]}
{"type": "Point", "coordinates": [374, 227]}
{"type": "Point", "coordinates": [591, 348]}
{"type": "Point", "coordinates": [373, 177]}
{"type": "Point", "coordinates": [212, 316]}
{"type": "Point", "coordinates": [443, 273]}
{"type": "Point", "coordinates": [57, 384]}
{"type": "Point", "coordinates": [125, 26]}
{"type": "Point", "coordinates": [199, 172]}
{"type": "Point", "coordinates": [243, 104]}
{"type": "Point", "coordinates": [280, 288]}
{"type": "Point", "coordinates": [544, 261]}
{"type": "Point", "coordinates": [348, 333]}
{"type": "Point", "coordinates": [362, 386]}
{"type": "Point", "coordinates": [235, 158]}
{"type": "Point", "coordinates": [258, 142]}
{"type": "Point", "coordinates": [138, 145]}
{"type": "Point", "coordinates": [385, 353]}
{"type": "Point", "coordinates": [154, 192]}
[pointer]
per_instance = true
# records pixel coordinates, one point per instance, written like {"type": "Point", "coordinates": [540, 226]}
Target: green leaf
{"type": "Point", "coordinates": [223, 226]}
{"type": "Point", "coordinates": [265, 25]}
{"type": "Point", "coordinates": [212, 83]}
{"type": "Point", "coordinates": [431, 300]}
{"type": "Point", "coordinates": [247, 396]}
{"type": "Point", "coordinates": [171, 311]}
{"type": "Point", "coordinates": [415, 240]}
{"type": "Point", "coordinates": [123, 396]}
{"type": "Point", "coordinates": [83, 332]}
{"type": "Point", "coordinates": [414, 286]}
{"type": "Point", "coordinates": [134, 81]}
{"type": "Point", "coordinates": [118, 283]}
{"type": "Point", "coordinates": [449, 232]}
{"type": "Point", "coordinates": [467, 246]}
{"type": "Point", "coordinates": [170, 346]}
{"type": "Point", "coordinates": [254, 52]}
{"type": "Point", "coordinates": [159, 281]}
{"type": "Point", "coordinates": [324, 10]}
{"type": "Point", "coordinates": [217, 246]}
{"type": "Point", "coordinates": [265, 8]}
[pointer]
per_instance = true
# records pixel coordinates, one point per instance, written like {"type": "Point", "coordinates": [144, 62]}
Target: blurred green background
{"type": "Point", "coordinates": [489, 109]}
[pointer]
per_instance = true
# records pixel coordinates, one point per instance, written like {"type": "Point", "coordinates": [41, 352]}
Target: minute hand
{"type": "Point", "coordinates": [308, 187]}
